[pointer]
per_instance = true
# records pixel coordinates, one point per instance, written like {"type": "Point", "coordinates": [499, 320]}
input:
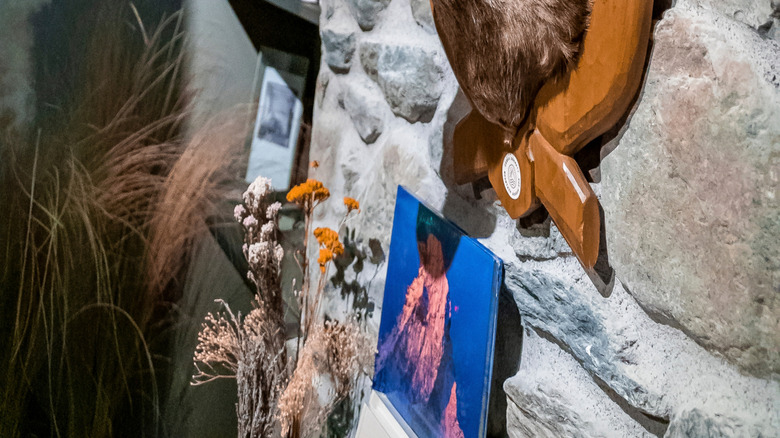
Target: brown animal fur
{"type": "Point", "coordinates": [502, 51]}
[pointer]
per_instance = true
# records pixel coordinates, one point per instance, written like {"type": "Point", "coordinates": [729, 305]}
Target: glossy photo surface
{"type": "Point", "coordinates": [437, 331]}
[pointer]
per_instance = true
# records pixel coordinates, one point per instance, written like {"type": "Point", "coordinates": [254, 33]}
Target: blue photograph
{"type": "Point", "coordinates": [436, 336]}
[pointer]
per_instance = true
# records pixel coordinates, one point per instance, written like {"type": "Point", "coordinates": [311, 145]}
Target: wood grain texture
{"type": "Point", "coordinates": [592, 97]}
{"type": "Point", "coordinates": [565, 192]}
{"type": "Point", "coordinates": [487, 46]}
{"type": "Point", "coordinates": [473, 140]}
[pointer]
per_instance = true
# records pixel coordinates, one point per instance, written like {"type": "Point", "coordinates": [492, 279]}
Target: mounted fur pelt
{"type": "Point", "coordinates": [502, 51]}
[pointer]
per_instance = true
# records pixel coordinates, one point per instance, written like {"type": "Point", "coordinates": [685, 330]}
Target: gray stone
{"type": "Point", "coordinates": [540, 242]}
{"type": "Point", "coordinates": [366, 108]}
{"type": "Point", "coordinates": [421, 10]}
{"type": "Point", "coordinates": [690, 193]}
{"type": "Point", "coordinates": [328, 8]}
{"type": "Point", "coordinates": [339, 48]}
{"type": "Point", "coordinates": [379, 170]}
{"type": "Point", "coordinates": [754, 13]}
{"type": "Point", "coordinates": [552, 396]}
{"type": "Point", "coordinates": [695, 423]}
{"type": "Point", "coordinates": [642, 366]}
{"type": "Point", "coordinates": [771, 29]}
{"type": "Point", "coordinates": [366, 12]}
{"type": "Point", "coordinates": [323, 80]}
{"type": "Point", "coordinates": [553, 301]}
{"type": "Point", "coordinates": [409, 77]}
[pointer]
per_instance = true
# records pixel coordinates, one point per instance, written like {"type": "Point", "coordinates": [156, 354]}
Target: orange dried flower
{"type": "Point", "coordinates": [302, 193]}
{"type": "Point", "coordinates": [351, 203]}
{"type": "Point", "coordinates": [314, 164]}
{"type": "Point", "coordinates": [325, 234]}
{"type": "Point", "coordinates": [329, 239]}
{"type": "Point", "coordinates": [321, 194]}
{"type": "Point", "coordinates": [326, 255]}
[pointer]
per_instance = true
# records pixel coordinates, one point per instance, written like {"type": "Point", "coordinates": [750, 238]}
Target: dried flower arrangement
{"type": "Point", "coordinates": [280, 393]}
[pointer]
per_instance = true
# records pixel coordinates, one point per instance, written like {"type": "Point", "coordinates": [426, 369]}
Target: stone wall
{"type": "Point", "coordinates": [686, 341]}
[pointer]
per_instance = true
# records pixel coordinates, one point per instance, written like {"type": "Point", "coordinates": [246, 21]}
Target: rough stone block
{"type": "Point", "coordinates": [552, 396]}
{"type": "Point", "coordinates": [690, 193]}
{"type": "Point", "coordinates": [556, 297]}
{"type": "Point", "coordinates": [366, 12]}
{"type": "Point", "coordinates": [366, 109]}
{"type": "Point", "coordinates": [409, 77]}
{"type": "Point", "coordinates": [421, 10]}
{"type": "Point", "coordinates": [654, 372]}
{"type": "Point", "coordinates": [339, 48]}
{"type": "Point", "coordinates": [695, 423]}
{"type": "Point", "coordinates": [754, 13]}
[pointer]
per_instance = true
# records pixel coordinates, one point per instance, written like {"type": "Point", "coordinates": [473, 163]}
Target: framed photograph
{"type": "Point", "coordinates": [437, 332]}
{"type": "Point", "coordinates": [279, 110]}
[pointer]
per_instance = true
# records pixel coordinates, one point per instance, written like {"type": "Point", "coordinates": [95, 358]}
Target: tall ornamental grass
{"type": "Point", "coordinates": [100, 202]}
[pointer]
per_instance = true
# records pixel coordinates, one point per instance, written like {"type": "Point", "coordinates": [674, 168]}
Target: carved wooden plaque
{"type": "Point", "coordinates": [526, 150]}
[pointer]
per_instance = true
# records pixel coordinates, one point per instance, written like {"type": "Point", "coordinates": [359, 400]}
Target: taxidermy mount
{"type": "Point", "coordinates": [544, 77]}
{"type": "Point", "coordinates": [502, 51]}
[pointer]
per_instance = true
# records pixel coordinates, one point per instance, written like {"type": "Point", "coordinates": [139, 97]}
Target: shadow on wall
{"type": "Point", "coordinates": [360, 258]}
{"type": "Point", "coordinates": [477, 222]}
{"type": "Point", "coordinates": [506, 360]}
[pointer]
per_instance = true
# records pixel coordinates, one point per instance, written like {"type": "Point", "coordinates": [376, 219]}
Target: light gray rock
{"type": "Point", "coordinates": [366, 109]}
{"type": "Point", "coordinates": [695, 423]}
{"type": "Point", "coordinates": [339, 47]}
{"type": "Point", "coordinates": [540, 242]}
{"type": "Point", "coordinates": [754, 13]}
{"type": "Point", "coordinates": [421, 10]}
{"type": "Point", "coordinates": [552, 396]}
{"type": "Point", "coordinates": [409, 77]}
{"type": "Point", "coordinates": [642, 366]}
{"type": "Point", "coordinates": [323, 79]}
{"type": "Point", "coordinates": [690, 193]}
{"type": "Point", "coordinates": [327, 9]}
{"type": "Point", "coordinates": [396, 165]}
{"type": "Point", "coordinates": [565, 307]}
{"type": "Point", "coordinates": [366, 12]}
{"type": "Point", "coordinates": [771, 29]}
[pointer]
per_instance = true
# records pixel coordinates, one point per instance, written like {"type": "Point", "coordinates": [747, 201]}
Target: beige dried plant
{"type": "Point", "coordinates": [338, 352]}
{"type": "Point", "coordinates": [278, 393]}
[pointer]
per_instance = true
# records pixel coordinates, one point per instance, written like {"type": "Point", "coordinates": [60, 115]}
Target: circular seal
{"type": "Point", "coordinates": [511, 173]}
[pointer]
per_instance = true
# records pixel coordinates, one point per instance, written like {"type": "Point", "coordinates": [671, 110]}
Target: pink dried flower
{"type": "Point", "coordinates": [256, 192]}
{"type": "Point", "coordinates": [239, 212]}
{"type": "Point", "coordinates": [273, 211]}
{"type": "Point", "coordinates": [267, 230]}
{"type": "Point", "coordinates": [338, 351]}
{"type": "Point", "coordinates": [250, 222]}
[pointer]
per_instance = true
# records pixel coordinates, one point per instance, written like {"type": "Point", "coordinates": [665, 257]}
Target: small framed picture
{"type": "Point", "coordinates": [436, 337]}
{"type": "Point", "coordinates": [278, 111]}
{"type": "Point", "coordinates": [281, 78]}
